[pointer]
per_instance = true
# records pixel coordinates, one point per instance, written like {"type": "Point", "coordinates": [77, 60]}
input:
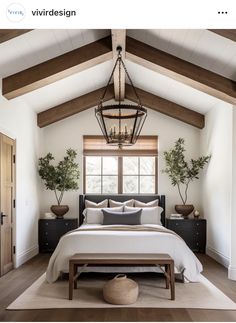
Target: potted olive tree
{"type": "Point", "coordinates": [60, 178]}
{"type": "Point", "coordinates": [182, 173]}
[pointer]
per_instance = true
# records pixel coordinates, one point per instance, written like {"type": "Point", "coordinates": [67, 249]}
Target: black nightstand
{"type": "Point", "coordinates": [51, 230]}
{"type": "Point", "coordinates": [193, 231]}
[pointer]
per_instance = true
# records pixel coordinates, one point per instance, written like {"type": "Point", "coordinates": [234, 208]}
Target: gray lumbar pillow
{"type": "Point", "coordinates": [129, 218]}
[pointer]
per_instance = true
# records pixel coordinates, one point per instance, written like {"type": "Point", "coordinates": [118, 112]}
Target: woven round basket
{"type": "Point", "coordinates": [120, 290]}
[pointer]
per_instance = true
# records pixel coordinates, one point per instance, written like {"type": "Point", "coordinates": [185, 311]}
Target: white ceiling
{"type": "Point", "coordinates": [200, 47]}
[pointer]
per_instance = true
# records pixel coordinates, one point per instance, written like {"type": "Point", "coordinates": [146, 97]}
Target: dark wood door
{"type": "Point", "coordinates": [7, 192]}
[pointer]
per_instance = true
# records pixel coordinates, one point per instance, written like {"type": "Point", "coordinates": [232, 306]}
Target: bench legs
{"type": "Point", "coordinates": [73, 278]}
{"type": "Point", "coordinates": [170, 278]}
{"type": "Point", "coordinates": [172, 281]}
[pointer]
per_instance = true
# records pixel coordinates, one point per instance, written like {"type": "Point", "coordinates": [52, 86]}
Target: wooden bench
{"type": "Point", "coordinates": [164, 261]}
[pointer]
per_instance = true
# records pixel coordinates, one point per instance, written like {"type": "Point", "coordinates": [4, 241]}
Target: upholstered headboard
{"type": "Point", "coordinates": [121, 198]}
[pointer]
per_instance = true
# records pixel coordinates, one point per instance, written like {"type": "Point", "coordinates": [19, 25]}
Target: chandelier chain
{"type": "Point", "coordinates": [120, 61]}
{"type": "Point", "coordinates": [131, 82]}
{"type": "Point", "coordinates": [113, 70]}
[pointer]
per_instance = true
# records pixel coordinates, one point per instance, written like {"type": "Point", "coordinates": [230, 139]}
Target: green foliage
{"type": "Point", "coordinates": [62, 177]}
{"type": "Point", "coordinates": [179, 170]}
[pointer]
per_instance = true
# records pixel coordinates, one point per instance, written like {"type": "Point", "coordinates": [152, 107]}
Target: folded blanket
{"type": "Point", "coordinates": [122, 227]}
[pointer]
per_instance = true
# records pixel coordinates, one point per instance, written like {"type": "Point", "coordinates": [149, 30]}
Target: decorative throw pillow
{"type": "Point", "coordinates": [148, 204]}
{"type": "Point", "coordinates": [128, 218]}
{"type": "Point", "coordinates": [100, 205]}
{"type": "Point", "coordinates": [116, 203]}
{"type": "Point", "coordinates": [150, 215]}
{"type": "Point", "coordinates": [95, 216]}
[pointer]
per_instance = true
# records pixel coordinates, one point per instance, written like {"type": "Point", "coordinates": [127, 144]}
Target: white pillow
{"type": "Point", "coordinates": [150, 215]}
{"type": "Point", "coordinates": [95, 216]}
{"type": "Point", "coordinates": [148, 204]}
{"type": "Point", "coordinates": [116, 203]}
{"type": "Point", "coordinates": [100, 205]}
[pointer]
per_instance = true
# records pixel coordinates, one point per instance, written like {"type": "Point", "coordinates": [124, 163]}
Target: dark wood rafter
{"type": "Point", "coordinates": [57, 68]}
{"type": "Point", "coordinates": [74, 106]}
{"type": "Point", "coordinates": [7, 34]}
{"type": "Point", "coordinates": [149, 100]}
{"type": "Point", "coordinates": [226, 33]}
{"type": "Point", "coordinates": [166, 107]}
{"type": "Point", "coordinates": [180, 70]}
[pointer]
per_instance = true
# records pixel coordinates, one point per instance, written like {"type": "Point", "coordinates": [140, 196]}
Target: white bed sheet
{"type": "Point", "coordinates": [101, 241]}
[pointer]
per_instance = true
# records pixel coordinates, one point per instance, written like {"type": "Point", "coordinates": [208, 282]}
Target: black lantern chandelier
{"type": "Point", "coordinates": [120, 123]}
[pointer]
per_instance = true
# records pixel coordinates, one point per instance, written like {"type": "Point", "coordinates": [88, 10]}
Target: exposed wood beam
{"type": "Point", "coordinates": [166, 107]}
{"type": "Point", "coordinates": [57, 68]}
{"type": "Point", "coordinates": [149, 100]}
{"type": "Point", "coordinates": [227, 33]}
{"type": "Point", "coordinates": [180, 70]}
{"type": "Point", "coordinates": [7, 34]}
{"type": "Point", "coordinates": [74, 106]}
{"type": "Point", "coordinates": [118, 39]}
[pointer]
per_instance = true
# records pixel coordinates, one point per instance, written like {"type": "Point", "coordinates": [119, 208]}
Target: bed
{"type": "Point", "coordinates": [97, 238]}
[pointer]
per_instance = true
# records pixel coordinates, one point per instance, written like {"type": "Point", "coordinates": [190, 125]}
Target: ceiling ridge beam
{"type": "Point", "coordinates": [118, 37]}
{"type": "Point", "coordinates": [181, 70]}
{"type": "Point", "coordinates": [7, 34]}
{"type": "Point", "coordinates": [74, 106]}
{"type": "Point", "coordinates": [166, 107]}
{"type": "Point", "coordinates": [57, 68]}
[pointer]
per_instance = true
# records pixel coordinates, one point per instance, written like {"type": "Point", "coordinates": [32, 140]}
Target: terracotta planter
{"type": "Point", "coordinates": [184, 209]}
{"type": "Point", "coordinates": [120, 291]}
{"type": "Point", "coordinates": [59, 210]}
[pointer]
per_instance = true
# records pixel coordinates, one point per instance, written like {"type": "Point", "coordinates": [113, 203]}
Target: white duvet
{"type": "Point", "coordinates": [101, 241]}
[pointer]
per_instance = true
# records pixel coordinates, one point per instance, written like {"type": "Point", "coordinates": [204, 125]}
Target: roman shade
{"type": "Point", "coordinates": [97, 146]}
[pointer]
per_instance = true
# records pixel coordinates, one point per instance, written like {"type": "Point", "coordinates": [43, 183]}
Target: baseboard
{"type": "Point", "coordinates": [218, 256]}
{"type": "Point", "coordinates": [232, 272]}
{"type": "Point", "coordinates": [26, 255]}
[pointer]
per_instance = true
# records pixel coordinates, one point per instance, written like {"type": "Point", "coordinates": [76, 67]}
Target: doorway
{"type": "Point", "coordinates": [7, 204]}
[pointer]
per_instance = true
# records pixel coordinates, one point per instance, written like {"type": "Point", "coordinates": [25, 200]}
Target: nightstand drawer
{"type": "Point", "coordinates": [50, 232]}
{"type": "Point", "coordinates": [192, 231]}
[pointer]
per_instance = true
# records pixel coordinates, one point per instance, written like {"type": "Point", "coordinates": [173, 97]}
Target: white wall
{"type": "Point", "coordinates": [69, 133]}
{"type": "Point", "coordinates": [18, 121]}
{"type": "Point", "coordinates": [216, 139]}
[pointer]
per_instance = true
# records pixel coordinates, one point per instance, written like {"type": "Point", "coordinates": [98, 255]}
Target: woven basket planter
{"type": "Point", "coordinates": [120, 291]}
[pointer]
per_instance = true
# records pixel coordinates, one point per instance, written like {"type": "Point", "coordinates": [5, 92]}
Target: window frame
{"type": "Point", "coordinates": [120, 174]}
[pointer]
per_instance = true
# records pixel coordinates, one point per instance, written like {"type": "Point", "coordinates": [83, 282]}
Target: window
{"type": "Point", "coordinates": [109, 170]}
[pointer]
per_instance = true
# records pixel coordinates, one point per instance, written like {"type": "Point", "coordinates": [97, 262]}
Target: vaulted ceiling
{"type": "Point", "coordinates": [181, 73]}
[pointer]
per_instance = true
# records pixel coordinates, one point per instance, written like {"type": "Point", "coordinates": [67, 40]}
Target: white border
{"type": "Point", "coordinates": [130, 14]}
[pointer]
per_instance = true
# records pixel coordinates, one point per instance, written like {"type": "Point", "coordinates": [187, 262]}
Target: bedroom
{"type": "Point", "coordinates": [25, 116]}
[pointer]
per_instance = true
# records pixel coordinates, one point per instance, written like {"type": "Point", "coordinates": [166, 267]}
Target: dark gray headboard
{"type": "Point", "coordinates": [121, 198]}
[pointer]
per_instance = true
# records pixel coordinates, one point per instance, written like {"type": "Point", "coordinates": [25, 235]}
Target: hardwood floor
{"type": "Point", "coordinates": [15, 282]}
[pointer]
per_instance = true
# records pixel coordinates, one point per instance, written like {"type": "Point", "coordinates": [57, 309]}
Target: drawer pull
{"type": "Point", "coordinates": [197, 223]}
{"type": "Point", "coordinates": [46, 233]}
{"type": "Point", "coordinates": [46, 243]}
{"type": "Point", "coordinates": [176, 223]}
{"type": "Point", "coordinates": [66, 223]}
{"type": "Point", "coordinates": [46, 223]}
{"type": "Point", "coordinates": [197, 233]}
{"type": "Point", "coordinates": [197, 243]}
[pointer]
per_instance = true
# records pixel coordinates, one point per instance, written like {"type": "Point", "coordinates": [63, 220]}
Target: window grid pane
{"type": "Point", "coordinates": [102, 175]}
{"type": "Point", "coordinates": [109, 184]}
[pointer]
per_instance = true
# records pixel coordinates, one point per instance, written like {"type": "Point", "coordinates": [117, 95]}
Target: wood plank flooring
{"type": "Point", "coordinates": [15, 282]}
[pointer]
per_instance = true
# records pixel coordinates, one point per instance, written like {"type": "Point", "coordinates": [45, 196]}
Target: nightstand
{"type": "Point", "coordinates": [51, 230]}
{"type": "Point", "coordinates": [192, 231]}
